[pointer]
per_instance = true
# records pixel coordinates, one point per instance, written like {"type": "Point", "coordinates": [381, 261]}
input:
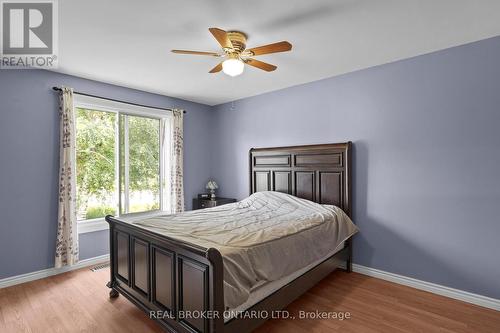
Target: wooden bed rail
{"type": "Point", "coordinates": [180, 285]}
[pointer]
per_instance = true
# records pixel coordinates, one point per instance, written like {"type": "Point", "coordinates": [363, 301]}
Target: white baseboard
{"type": "Point", "coordinates": [461, 295]}
{"type": "Point", "coordinates": [10, 281]}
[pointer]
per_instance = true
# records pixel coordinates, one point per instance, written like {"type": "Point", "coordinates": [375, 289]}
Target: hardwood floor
{"type": "Point", "coordinates": [78, 302]}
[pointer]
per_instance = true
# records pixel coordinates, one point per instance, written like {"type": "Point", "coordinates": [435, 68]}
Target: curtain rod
{"type": "Point", "coordinates": [115, 100]}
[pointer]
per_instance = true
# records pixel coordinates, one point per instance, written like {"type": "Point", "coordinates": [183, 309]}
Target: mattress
{"type": "Point", "coordinates": [263, 238]}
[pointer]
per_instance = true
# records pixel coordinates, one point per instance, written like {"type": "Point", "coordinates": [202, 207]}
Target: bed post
{"type": "Point", "coordinates": [349, 205]}
{"type": "Point", "coordinates": [217, 290]}
{"type": "Point", "coordinates": [113, 293]}
{"type": "Point", "coordinates": [348, 263]}
{"type": "Point", "coordinates": [349, 201]}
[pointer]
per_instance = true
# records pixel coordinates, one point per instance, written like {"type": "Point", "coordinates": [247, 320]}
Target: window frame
{"type": "Point", "coordinates": [122, 108]}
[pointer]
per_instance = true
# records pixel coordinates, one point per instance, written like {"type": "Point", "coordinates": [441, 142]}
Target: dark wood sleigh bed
{"type": "Point", "coordinates": [169, 277]}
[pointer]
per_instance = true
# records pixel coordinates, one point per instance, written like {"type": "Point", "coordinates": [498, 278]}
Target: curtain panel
{"type": "Point", "coordinates": [67, 233]}
{"type": "Point", "coordinates": [172, 136]}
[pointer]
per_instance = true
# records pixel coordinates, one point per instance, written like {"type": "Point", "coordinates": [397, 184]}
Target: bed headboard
{"type": "Point", "coordinates": [320, 173]}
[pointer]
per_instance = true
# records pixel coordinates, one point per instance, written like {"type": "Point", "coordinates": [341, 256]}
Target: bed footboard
{"type": "Point", "coordinates": [178, 284]}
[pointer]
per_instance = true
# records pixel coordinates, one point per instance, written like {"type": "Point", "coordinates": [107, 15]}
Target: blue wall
{"type": "Point", "coordinates": [426, 135]}
{"type": "Point", "coordinates": [29, 157]}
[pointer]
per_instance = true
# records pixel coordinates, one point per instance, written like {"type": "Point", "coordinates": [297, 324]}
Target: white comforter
{"type": "Point", "coordinates": [262, 238]}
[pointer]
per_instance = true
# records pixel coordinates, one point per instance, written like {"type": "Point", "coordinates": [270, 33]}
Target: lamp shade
{"type": "Point", "coordinates": [233, 67]}
{"type": "Point", "coordinates": [212, 185]}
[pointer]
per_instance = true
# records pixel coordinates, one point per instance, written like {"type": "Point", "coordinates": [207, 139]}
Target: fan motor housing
{"type": "Point", "coordinates": [239, 41]}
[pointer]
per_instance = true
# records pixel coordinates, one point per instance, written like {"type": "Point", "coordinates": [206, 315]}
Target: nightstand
{"type": "Point", "coordinates": [199, 203]}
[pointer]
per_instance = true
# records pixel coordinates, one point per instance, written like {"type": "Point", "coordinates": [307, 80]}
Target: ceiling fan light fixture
{"type": "Point", "coordinates": [234, 50]}
{"type": "Point", "coordinates": [233, 66]}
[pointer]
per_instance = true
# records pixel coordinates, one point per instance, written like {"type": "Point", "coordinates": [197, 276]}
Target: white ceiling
{"type": "Point", "coordinates": [128, 43]}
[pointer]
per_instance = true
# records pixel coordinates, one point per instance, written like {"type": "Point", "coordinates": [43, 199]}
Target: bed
{"type": "Point", "coordinates": [200, 271]}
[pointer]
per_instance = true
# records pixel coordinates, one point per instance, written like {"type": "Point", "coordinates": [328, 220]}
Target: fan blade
{"type": "Point", "coordinates": [221, 37]}
{"type": "Point", "coordinates": [213, 54]}
{"type": "Point", "coordinates": [271, 48]}
{"type": "Point", "coordinates": [216, 69]}
{"type": "Point", "coordinates": [261, 65]}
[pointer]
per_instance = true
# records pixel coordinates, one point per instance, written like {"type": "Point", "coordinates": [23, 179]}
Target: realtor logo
{"type": "Point", "coordinates": [29, 34]}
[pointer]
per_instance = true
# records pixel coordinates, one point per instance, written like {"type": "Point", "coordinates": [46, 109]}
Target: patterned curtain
{"type": "Point", "coordinates": [67, 234]}
{"type": "Point", "coordinates": [172, 155]}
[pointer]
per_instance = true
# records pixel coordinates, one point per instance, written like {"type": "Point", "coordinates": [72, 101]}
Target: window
{"type": "Point", "coordinates": [139, 164]}
{"type": "Point", "coordinates": [118, 160]}
{"type": "Point", "coordinates": [95, 164]}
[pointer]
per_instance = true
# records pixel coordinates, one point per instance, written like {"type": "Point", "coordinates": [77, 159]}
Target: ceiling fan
{"type": "Point", "coordinates": [234, 49]}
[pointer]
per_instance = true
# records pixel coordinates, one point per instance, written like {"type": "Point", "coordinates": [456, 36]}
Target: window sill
{"type": "Point", "coordinates": [101, 224]}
